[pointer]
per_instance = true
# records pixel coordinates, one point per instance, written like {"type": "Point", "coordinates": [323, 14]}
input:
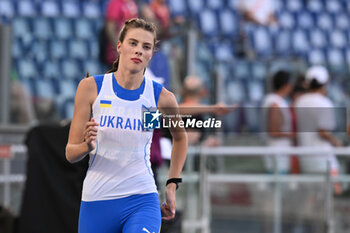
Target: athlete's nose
{"type": "Point", "coordinates": [138, 50]}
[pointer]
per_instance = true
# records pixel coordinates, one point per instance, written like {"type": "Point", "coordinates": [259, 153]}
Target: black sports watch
{"type": "Point", "coordinates": [174, 180]}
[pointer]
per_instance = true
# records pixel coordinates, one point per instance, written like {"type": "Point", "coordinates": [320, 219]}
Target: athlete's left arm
{"type": "Point", "coordinates": [168, 105]}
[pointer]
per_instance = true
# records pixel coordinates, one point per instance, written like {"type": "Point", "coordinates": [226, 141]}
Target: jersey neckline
{"type": "Point", "coordinates": [126, 94]}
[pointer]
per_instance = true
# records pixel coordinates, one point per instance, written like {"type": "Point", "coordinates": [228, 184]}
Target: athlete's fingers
{"type": "Point", "coordinates": [168, 217]}
{"type": "Point", "coordinates": [91, 124]}
{"type": "Point", "coordinates": [170, 198]}
{"type": "Point", "coordinates": [91, 127]}
{"type": "Point", "coordinates": [89, 132]}
{"type": "Point", "coordinates": [85, 134]}
{"type": "Point", "coordinates": [89, 135]}
{"type": "Point", "coordinates": [172, 206]}
{"type": "Point", "coordinates": [166, 212]}
{"type": "Point", "coordinates": [92, 133]}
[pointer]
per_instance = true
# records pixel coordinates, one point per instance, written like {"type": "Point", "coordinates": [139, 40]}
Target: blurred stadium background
{"type": "Point", "coordinates": [49, 45]}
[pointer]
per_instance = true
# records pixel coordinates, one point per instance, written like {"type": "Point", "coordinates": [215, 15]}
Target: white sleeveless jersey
{"type": "Point", "coordinates": [268, 101]}
{"type": "Point", "coordinates": [120, 164]}
{"type": "Point", "coordinates": [282, 163]}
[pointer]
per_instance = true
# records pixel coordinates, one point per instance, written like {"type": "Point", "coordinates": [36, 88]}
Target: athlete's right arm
{"type": "Point", "coordinates": [83, 132]}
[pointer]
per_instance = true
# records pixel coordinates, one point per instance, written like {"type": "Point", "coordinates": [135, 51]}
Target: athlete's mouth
{"type": "Point", "coordinates": [136, 60]}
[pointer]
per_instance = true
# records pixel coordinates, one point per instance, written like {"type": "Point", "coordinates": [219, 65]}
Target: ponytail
{"type": "Point", "coordinates": [114, 67]}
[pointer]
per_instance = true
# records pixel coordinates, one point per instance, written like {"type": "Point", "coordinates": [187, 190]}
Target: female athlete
{"type": "Point", "coordinates": [119, 192]}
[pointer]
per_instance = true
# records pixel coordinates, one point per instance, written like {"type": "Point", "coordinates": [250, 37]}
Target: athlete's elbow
{"type": "Point", "coordinates": [180, 137]}
{"type": "Point", "coordinates": [185, 137]}
{"type": "Point", "coordinates": [69, 156]}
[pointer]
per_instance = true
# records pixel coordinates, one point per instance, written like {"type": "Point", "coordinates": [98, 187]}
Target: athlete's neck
{"type": "Point", "coordinates": [128, 80]}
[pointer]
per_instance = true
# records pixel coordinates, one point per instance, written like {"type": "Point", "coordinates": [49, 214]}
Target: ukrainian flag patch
{"type": "Point", "coordinates": [105, 103]}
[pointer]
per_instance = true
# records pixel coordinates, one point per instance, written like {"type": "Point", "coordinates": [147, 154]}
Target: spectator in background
{"type": "Point", "coordinates": [166, 63]}
{"type": "Point", "coordinates": [158, 12]}
{"type": "Point", "coordinates": [261, 12]}
{"type": "Point", "coordinates": [161, 14]}
{"type": "Point", "coordinates": [347, 88]}
{"type": "Point", "coordinates": [256, 12]}
{"type": "Point", "coordinates": [298, 90]}
{"type": "Point", "coordinates": [22, 108]}
{"type": "Point", "coordinates": [315, 121]}
{"type": "Point", "coordinates": [193, 94]}
{"type": "Point", "coordinates": [277, 120]}
{"type": "Point", "coordinates": [117, 12]}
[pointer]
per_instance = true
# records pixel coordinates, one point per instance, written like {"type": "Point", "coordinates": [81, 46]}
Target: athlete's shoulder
{"type": "Point", "coordinates": [87, 87]}
{"type": "Point", "coordinates": [87, 83]}
{"type": "Point", "coordinates": [167, 99]}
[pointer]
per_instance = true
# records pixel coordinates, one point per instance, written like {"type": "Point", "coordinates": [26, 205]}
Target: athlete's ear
{"type": "Point", "coordinates": [119, 44]}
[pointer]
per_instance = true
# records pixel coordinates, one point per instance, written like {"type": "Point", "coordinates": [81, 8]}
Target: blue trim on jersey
{"type": "Point", "coordinates": [157, 88]}
{"type": "Point", "coordinates": [93, 159]}
{"type": "Point", "coordinates": [130, 214]}
{"type": "Point", "coordinates": [98, 80]}
{"type": "Point", "coordinates": [145, 157]}
{"type": "Point", "coordinates": [129, 94]}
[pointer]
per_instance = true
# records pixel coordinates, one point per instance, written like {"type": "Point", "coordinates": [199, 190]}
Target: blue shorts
{"type": "Point", "coordinates": [134, 214]}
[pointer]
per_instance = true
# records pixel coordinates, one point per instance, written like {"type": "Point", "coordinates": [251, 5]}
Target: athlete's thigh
{"type": "Point", "coordinates": [99, 216]}
{"type": "Point", "coordinates": [146, 219]}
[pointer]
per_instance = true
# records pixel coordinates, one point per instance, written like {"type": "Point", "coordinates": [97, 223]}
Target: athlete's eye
{"type": "Point", "coordinates": [133, 43]}
{"type": "Point", "coordinates": [147, 47]}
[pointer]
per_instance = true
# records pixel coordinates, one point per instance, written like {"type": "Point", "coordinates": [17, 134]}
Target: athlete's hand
{"type": "Point", "coordinates": [169, 208]}
{"type": "Point", "coordinates": [223, 109]}
{"type": "Point", "coordinates": [90, 134]}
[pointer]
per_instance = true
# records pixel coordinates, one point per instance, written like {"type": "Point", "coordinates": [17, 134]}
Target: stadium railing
{"type": "Point", "coordinates": [206, 179]}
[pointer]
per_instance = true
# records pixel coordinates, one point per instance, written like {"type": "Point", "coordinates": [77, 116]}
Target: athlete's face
{"type": "Point", "coordinates": [136, 50]}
